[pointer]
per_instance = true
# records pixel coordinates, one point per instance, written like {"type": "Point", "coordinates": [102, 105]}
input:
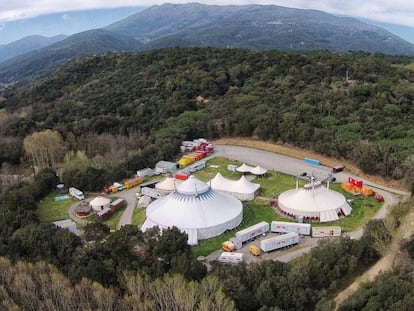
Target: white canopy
{"type": "Point", "coordinates": [99, 203]}
{"type": "Point", "coordinates": [168, 184]}
{"type": "Point", "coordinates": [241, 189]}
{"type": "Point", "coordinates": [196, 209]}
{"type": "Point", "coordinates": [258, 170]}
{"type": "Point", "coordinates": [244, 168]}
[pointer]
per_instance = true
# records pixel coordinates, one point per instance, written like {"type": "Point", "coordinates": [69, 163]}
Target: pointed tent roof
{"type": "Point", "coordinates": [244, 168]}
{"type": "Point", "coordinates": [218, 181]}
{"type": "Point", "coordinates": [243, 185]}
{"type": "Point", "coordinates": [168, 184]}
{"type": "Point", "coordinates": [192, 186]}
{"type": "Point", "coordinates": [258, 170]}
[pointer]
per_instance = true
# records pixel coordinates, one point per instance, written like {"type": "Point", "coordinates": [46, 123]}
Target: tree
{"type": "Point", "coordinates": [96, 231]}
{"type": "Point", "coordinates": [45, 148]}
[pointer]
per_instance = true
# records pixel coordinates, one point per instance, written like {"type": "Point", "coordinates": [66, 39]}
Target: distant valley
{"type": "Point", "coordinates": [253, 27]}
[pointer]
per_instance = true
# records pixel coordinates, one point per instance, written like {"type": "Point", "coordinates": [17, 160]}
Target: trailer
{"type": "Point", "coordinates": [227, 257]}
{"type": "Point", "coordinates": [285, 227]}
{"type": "Point", "coordinates": [251, 232]}
{"type": "Point", "coordinates": [197, 166]}
{"type": "Point", "coordinates": [145, 172]}
{"type": "Point", "coordinates": [312, 161]}
{"type": "Point", "coordinates": [76, 193]}
{"type": "Point", "coordinates": [104, 213]}
{"type": "Point", "coordinates": [330, 231]}
{"type": "Point", "coordinates": [280, 241]}
{"type": "Point", "coordinates": [150, 192]}
{"type": "Point", "coordinates": [133, 182]}
{"type": "Point", "coordinates": [117, 204]}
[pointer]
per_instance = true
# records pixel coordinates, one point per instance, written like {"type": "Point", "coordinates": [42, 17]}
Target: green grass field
{"type": "Point", "coordinates": [138, 217]}
{"type": "Point", "coordinates": [49, 210]}
{"type": "Point", "coordinates": [364, 208]}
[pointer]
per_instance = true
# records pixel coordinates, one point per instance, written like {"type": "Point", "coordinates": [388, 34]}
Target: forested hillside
{"type": "Point", "coordinates": [121, 107]}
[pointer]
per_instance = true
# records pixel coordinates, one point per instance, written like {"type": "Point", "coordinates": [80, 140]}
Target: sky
{"type": "Point", "coordinates": [394, 15]}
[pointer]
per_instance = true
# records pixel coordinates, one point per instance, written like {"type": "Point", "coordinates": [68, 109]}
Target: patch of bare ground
{"type": "Point", "coordinates": [301, 153]}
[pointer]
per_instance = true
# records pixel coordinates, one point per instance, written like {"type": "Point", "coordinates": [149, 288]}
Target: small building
{"type": "Point", "coordinates": [163, 167]}
{"type": "Point", "coordinates": [67, 224]}
{"type": "Point", "coordinates": [100, 203]}
{"type": "Point", "coordinates": [83, 210]}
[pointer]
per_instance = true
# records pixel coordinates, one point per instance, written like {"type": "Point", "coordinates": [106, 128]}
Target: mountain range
{"type": "Point", "coordinates": [256, 27]}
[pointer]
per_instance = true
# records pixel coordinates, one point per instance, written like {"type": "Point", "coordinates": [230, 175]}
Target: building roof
{"type": "Point", "coordinates": [100, 201]}
{"type": "Point", "coordinates": [258, 170]}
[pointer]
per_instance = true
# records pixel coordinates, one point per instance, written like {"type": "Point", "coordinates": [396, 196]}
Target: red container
{"type": "Point", "coordinates": [181, 176]}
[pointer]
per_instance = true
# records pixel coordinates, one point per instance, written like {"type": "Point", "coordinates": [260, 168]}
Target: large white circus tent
{"type": "Point", "coordinates": [314, 201]}
{"type": "Point", "coordinates": [241, 189]}
{"type": "Point", "coordinates": [196, 209]}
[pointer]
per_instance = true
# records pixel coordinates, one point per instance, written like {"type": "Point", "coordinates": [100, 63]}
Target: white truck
{"type": "Point", "coordinates": [76, 193]}
{"type": "Point", "coordinates": [285, 227]}
{"type": "Point", "coordinates": [251, 232]}
{"type": "Point", "coordinates": [280, 241]}
{"type": "Point", "coordinates": [330, 231]}
{"type": "Point", "coordinates": [228, 257]}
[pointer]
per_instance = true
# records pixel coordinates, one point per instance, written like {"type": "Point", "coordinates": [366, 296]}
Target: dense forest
{"type": "Point", "coordinates": [126, 111]}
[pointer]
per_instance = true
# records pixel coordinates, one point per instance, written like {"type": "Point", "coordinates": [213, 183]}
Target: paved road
{"type": "Point", "coordinates": [129, 196]}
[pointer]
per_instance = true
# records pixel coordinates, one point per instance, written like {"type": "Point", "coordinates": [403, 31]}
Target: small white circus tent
{"type": "Point", "coordinates": [241, 189]}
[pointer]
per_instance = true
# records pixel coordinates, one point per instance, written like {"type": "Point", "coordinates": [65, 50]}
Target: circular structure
{"type": "Point", "coordinates": [100, 203]}
{"type": "Point", "coordinates": [83, 210]}
{"type": "Point", "coordinates": [196, 209]}
{"type": "Point", "coordinates": [314, 202]}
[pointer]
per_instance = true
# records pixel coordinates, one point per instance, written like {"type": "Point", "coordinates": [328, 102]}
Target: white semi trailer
{"type": "Point", "coordinates": [280, 241]}
{"type": "Point", "coordinates": [230, 257]}
{"type": "Point", "coordinates": [285, 227]}
{"type": "Point", "coordinates": [253, 231]}
{"type": "Point", "coordinates": [321, 232]}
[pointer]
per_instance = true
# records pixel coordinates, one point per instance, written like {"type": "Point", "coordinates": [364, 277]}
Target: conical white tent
{"type": "Point", "coordinates": [168, 184]}
{"type": "Point", "coordinates": [258, 171]}
{"type": "Point", "coordinates": [241, 189]}
{"type": "Point", "coordinates": [244, 168]}
{"type": "Point", "coordinates": [314, 201]}
{"type": "Point", "coordinates": [196, 209]}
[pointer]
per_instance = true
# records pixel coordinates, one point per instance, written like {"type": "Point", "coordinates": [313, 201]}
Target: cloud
{"type": "Point", "coordinates": [398, 12]}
